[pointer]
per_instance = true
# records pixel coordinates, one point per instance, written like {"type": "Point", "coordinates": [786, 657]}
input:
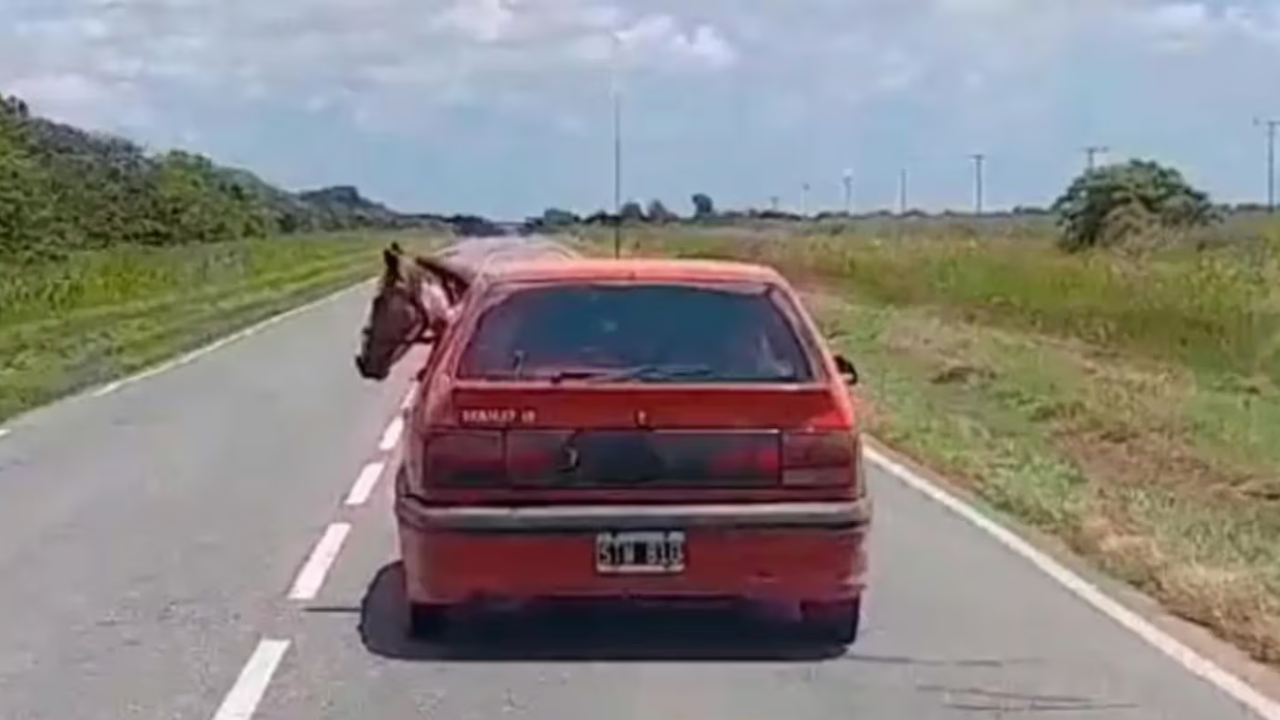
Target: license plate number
{"type": "Point", "coordinates": [649, 553]}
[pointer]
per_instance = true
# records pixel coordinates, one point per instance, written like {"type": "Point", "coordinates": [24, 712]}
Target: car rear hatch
{"type": "Point", "coordinates": [640, 386]}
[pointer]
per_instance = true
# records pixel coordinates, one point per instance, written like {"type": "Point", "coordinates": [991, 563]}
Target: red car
{"type": "Point", "coordinates": [635, 429]}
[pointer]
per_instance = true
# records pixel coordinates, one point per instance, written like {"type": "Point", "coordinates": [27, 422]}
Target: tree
{"type": "Point", "coordinates": [557, 218]}
{"type": "Point", "coordinates": [659, 213]}
{"type": "Point", "coordinates": [27, 223]}
{"type": "Point", "coordinates": [632, 212]}
{"type": "Point", "coordinates": [1120, 203]}
{"type": "Point", "coordinates": [703, 208]}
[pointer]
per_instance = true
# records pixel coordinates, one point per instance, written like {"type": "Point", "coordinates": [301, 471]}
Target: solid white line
{"type": "Point", "coordinates": [391, 435]}
{"type": "Point", "coordinates": [311, 577]}
{"type": "Point", "coordinates": [110, 388]}
{"type": "Point", "coordinates": [199, 352]}
{"type": "Point", "coordinates": [243, 699]}
{"type": "Point", "coordinates": [365, 483]}
{"type": "Point", "coordinates": [1192, 661]}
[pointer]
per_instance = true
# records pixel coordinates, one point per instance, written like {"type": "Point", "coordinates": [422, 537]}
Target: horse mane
{"type": "Point", "coordinates": [454, 278]}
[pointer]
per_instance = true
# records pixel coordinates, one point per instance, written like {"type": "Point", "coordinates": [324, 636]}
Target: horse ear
{"type": "Point", "coordinates": [392, 260]}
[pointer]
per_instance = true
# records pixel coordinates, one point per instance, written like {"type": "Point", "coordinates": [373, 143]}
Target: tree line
{"type": "Point", "coordinates": [64, 189]}
{"type": "Point", "coordinates": [1135, 202]}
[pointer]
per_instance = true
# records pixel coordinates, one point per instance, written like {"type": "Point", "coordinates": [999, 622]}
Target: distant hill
{"type": "Point", "coordinates": [64, 188]}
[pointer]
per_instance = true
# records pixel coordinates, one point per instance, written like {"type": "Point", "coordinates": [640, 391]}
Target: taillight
{"type": "Point", "coordinates": [464, 457]}
{"type": "Point", "coordinates": [822, 459]}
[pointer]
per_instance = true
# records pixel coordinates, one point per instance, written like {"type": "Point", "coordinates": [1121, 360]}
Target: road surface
{"type": "Point", "coordinates": [215, 541]}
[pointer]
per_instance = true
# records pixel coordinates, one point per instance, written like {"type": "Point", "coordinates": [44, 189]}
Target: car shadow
{"type": "Point", "coordinates": [580, 633]}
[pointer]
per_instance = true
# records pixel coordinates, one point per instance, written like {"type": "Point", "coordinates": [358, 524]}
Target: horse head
{"type": "Point", "coordinates": [412, 305]}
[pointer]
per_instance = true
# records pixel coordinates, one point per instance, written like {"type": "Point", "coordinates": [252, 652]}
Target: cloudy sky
{"type": "Point", "coordinates": [502, 106]}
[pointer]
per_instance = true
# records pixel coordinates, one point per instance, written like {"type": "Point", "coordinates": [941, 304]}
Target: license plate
{"type": "Point", "coordinates": [648, 553]}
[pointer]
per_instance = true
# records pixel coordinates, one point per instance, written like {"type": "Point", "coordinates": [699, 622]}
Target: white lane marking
{"type": "Point", "coordinates": [1189, 659]}
{"type": "Point", "coordinates": [241, 702]}
{"type": "Point", "coordinates": [391, 435]}
{"type": "Point", "coordinates": [408, 397]}
{"type": "Point", "coordinates": [112, 387]}
{"type": "Point", "coordinates": [4, 431]}
{"type": "Point", "coordinates": [365, 483]}
{"type": "Point", "coordinates": [311, 577]}
{"type": "Point", "coordinates": [199, 352]}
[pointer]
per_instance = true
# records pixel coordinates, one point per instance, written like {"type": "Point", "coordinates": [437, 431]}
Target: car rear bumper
{"type": "Point", "coordinates": [761, 552]}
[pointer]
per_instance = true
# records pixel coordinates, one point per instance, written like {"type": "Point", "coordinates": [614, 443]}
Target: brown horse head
{"type": "Point", "coordinates": [411, 306]}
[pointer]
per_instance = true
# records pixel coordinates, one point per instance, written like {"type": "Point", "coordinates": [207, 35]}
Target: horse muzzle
{"type": "Point", "coordinates": [367, 372]}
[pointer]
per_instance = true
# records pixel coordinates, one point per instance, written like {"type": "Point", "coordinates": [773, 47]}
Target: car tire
{"type": "Point", "coordinates": [427, 622]}
{"type": "Point", "coordinates": [831, 622]}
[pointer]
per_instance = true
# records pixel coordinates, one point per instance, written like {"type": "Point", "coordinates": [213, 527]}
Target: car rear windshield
{"type": "Point", "coordinates": [637, 333]}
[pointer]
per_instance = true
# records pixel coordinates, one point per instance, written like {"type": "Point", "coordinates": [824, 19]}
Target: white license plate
{"type": "Point", "coordinates": [648, 553]}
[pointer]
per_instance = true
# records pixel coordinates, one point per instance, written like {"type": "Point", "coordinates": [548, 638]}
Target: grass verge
{"type": "Point", "coordinates": [103, 315]}
{"type": "Point", "coordinates": [1126, 406]}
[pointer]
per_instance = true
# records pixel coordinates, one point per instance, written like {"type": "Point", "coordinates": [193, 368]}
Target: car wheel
{"type": "Point", "coordinates": [832, 622]}
{"type": "Point", "coordinates": [427, 622]}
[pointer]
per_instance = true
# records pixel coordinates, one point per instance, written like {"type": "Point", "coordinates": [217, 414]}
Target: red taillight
{"type": "Point", "coordinates": [823, 459]}
{"type": "Point", "coordinates": [464, 457]}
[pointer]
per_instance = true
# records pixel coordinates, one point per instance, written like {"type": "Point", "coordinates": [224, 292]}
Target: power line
{"type": "Point", "coordinates": [978, 160]}
{"type": "Point", "coordinates": [1271, 126]}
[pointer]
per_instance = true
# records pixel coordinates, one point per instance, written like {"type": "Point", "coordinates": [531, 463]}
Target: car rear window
{"type": "Point", "coordinates": [637, 333]}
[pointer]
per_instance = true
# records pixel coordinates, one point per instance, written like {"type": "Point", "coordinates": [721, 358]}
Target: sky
{"type": "Point", "coordinates": [503, 107]}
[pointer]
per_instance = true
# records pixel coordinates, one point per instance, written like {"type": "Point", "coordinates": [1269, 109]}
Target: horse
{"type": "Point", "coordinates": [415, 302]}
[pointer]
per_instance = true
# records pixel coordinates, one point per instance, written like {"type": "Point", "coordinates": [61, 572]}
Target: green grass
{"type": "Point", "coordinates": [103, 315]}
{"type": "Point", "coordinates": [1217, 310]}
{"type": "Point", "coordinates": [1125, 404]}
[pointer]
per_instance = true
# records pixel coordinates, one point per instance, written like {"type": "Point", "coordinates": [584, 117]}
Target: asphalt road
{"type": "Point", "coordinates": [151, 539]}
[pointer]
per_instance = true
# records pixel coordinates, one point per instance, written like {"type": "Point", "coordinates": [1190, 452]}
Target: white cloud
{"type": "Point", "coordinates": [302, 52]}
{"type": "Point", "coordinates": [84, 58]}
{"type": "Point", "coordinates": [482, 20]}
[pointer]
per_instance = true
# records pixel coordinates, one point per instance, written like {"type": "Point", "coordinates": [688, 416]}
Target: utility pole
{"type": "Point", "coordinates": [978, 160]}
{"type": "Point", "coordinates": [902, 192]}
{"type": "Point", "coordinates": [1271, 126]}
{"type": "Point", "coordinates": [773, 202]}
{"type": "Point", "coordinates": [847, 179]}
{"type": "Point", "coordinates": [804, 199]}
{"type": "Point", "coordinates": [1092, 152]}
{"type": "Point", "coordinates": [615, 89]}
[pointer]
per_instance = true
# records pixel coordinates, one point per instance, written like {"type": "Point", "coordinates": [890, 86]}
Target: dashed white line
{"type": "Point", "coordinates": [1189, 659]}
{"type": "Point", "coordinates": [311, 577]}
{"type": "Point", "coordinates": [199, 352]}
{"type": "Point", "coordinates": [365, 483]}
{"type": "Point", "coordinates": [391, 435]}
{"type": "Point", "coordinates": [408, 396]}
{"type": "Point", "coordinates": [241, 702]}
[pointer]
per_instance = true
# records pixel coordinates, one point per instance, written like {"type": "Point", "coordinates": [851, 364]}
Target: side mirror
{"type": "Point", "coordinates": [847, 369]}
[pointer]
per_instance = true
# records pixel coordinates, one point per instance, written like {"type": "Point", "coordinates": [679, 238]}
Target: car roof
{"type": "Point", "coordinates": [670, 270]}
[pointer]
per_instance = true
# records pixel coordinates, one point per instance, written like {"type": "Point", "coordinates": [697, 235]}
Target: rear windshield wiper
{"type": "Point", "coordinates": [655, 372]}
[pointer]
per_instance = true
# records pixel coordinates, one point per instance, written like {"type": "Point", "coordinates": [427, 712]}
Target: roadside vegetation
{"type": "Point", "coordinates": [99, 315]}
{"type": "Point", "coordinates": [1108, 375]}
{"type": "Point", "coordinates": [113, 258]}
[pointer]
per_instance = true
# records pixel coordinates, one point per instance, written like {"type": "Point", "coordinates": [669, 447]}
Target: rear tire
{"type": "Point", "coordinates": [831, 622]}
{"type": "Point", "coordinates": [427, 622]}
